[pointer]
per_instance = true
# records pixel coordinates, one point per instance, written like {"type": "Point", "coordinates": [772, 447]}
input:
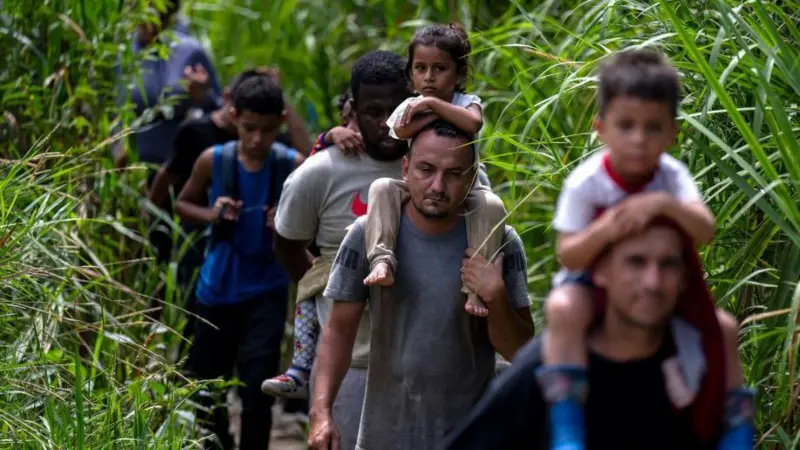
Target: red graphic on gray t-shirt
{"type": "Point", "coordinates": [359, 208]}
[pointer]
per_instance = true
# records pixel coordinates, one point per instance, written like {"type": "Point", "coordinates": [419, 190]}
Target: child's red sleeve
{"type": "Point", "coordinates": [319, 144]}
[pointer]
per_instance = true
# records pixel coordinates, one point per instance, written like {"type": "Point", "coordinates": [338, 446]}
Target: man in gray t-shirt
{"type": "Point", "coordinates": [324, 196]}
{"type": "Point", "coordinates": [429, 360]}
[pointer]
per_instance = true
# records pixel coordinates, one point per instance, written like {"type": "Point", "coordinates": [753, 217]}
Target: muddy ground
{"type": "Point", "coordinates": [288, 430]}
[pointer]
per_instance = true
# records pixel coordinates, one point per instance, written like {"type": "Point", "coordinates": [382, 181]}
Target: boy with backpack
{"type": "Point", "coordinates": [242, 291]}
{"type": "Point", "coordinates": [194, 136]}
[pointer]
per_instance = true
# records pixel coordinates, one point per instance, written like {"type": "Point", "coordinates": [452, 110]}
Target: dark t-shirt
{"type": "Point", "coordinates": [627, 408]}
{"type": "Point", "coordinates": [193, 137]}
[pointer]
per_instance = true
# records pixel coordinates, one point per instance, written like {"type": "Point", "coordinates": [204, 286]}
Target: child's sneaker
{"type": "Point", "coordinates": [285, 386]}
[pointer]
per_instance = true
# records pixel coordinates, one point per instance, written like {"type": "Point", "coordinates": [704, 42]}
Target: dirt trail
{"type": "Point", "coordinates": [286, 442]}
{"type": "Point", "coordinates": [287, 432]}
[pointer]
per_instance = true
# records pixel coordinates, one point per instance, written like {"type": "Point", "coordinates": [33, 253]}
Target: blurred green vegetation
{"type": "Point", "coordinates": [85, 368]}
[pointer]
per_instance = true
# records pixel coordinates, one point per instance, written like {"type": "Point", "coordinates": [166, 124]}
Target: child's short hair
{"type": "Point", "coordinates": [377, 68]}
{"type": "Point", "coordinates": [245, 75]}
{"type": "Point", "coordinates": [450, 38]}
{"type": "Point", "coordinates": [642, 73]}
{"type": "Point", "coordinates": [259, 95]}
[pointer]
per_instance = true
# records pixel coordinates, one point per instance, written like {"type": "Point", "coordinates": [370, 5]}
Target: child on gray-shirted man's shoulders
{"type": "Point", "coordinates": [438, 68]}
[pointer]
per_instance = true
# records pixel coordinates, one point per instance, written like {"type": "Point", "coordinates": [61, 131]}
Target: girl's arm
{"type": "Point", "coordinates": [409, 130]}
{"type": "Point", "coordinates": [348, 140]}
{"type": "Point", "coordinates": [469, 119]}
{"type": "Point", "coordinates": [419, 112]}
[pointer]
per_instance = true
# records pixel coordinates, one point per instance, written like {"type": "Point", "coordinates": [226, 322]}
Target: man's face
{"type": "Point", "coordinates": [256, 132]}
{"type": "Point", "coordinates": [375, 104]}
{"type": "Point", "coordinates": [643, 277]}
{"type": "Point", "coordinates": [636, 132]}
{"type": "Point", "coordinates": [439, 172]}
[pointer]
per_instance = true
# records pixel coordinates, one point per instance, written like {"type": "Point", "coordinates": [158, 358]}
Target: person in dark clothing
{"type": "Point", "coordinates": [242, 291]}
{"type": "Point", "coordinates": [634, 349]}
{"type": "Point", "coordinates": [158, 81]}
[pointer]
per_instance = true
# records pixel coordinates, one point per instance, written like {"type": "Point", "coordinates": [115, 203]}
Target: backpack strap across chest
{"type": "Point", "coordinates": [229, 182]}
{"type": "Point", "coordinates": [280, 164]}
{"type": "Point", "coordinates": [228, 187]}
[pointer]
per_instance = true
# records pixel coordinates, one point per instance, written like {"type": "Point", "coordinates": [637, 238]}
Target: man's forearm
{"type": "Point", "coordinates": [298, 264]}
{"type": "Point", "coordinates": [194, 213]}
{"type": "Point", "coordinates": [159, 192]}
{"type": "Point", "coordinates": [294, 256]}
{"type": "Point", "coordinates": [333, 362]}
{"type": "Point", "coordinates": [508, 330]}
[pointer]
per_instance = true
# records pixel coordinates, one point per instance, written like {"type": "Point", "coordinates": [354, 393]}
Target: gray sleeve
{"type": "Point", "coordinates": [297, 216]}
{"type": "Point", "coordinates": [346, 281]}
{"type": "Point", "coordinates": [515, 270]}
{"type": "Point", "coordinates": [483, 178]}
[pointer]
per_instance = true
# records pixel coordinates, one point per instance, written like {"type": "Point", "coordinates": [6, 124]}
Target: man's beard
{"type": "Point", "coordinates": [438, 215]}
{"type": "Point", "coordinates": [632, 322]}
{"type": "Point", "coordinates": [372, 148]}
{"type": "Point", "coordinates": [373, 151]}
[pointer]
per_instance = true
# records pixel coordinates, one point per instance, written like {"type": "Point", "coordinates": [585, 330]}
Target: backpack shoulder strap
{"type": "Point", "coordinates": [229, 187]}
{"type": "Point", "coordinates": [228, 170]}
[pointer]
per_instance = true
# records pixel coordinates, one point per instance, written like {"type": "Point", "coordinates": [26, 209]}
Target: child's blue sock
{"type": "Point", "coordinates": [739, 431]}
{"type": "Point", "coordinates": [564, 389]}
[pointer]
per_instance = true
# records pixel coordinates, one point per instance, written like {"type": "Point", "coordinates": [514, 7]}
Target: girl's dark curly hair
{"type": "Point", "coordinates": [450, 38]}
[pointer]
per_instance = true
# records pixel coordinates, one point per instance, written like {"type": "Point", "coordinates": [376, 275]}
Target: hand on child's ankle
{"type": "Point", "coordinates": [483, 278]}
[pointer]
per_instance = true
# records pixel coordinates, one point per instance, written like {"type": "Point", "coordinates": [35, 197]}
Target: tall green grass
{"type": "Point", "coordinates": [534, 65]}
{"type": "Point", "coordinates": [82, 366]}
{"type": "Point", "coordinates": [86, 369]}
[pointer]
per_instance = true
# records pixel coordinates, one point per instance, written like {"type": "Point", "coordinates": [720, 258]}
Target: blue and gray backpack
{"type": "Point", "coordinates": [280, 163]}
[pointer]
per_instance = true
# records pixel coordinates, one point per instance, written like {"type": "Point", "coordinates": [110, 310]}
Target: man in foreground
{"type": "Point", "coordinates": [634, 351]}
{"type": "Point", "coordinates": [430, 361]}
